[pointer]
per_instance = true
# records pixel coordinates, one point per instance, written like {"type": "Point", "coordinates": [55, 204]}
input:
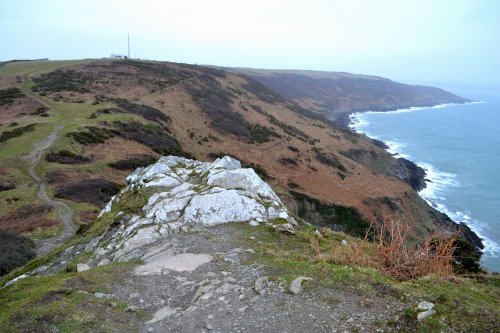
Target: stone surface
{"type": "Point", "coordinates": [82, 267]}
{"type": "Point", "coordinates": [296, 284]}
{"type": "Point", "coordinates": [184, 262]}
{"type": "Point", "coordinates": [162, 314]}
{"type": "Point", "coordinates": [425, 309]}
{"type": "Point", "coordinates": [190, 194]}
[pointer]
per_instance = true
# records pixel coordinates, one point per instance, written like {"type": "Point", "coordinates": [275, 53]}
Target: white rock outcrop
{"type": "Point", "coordinates": [190, 194]}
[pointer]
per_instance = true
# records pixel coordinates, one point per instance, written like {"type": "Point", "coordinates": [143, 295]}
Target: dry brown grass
{"type": "Point", "coordinates": [27, 219]}
{"type": "Point", "coordinates": [355, 253]}
{"type": "Point", "coordinates": [388, 248]}
{"type": "Point", "coordinates": [395, 257]}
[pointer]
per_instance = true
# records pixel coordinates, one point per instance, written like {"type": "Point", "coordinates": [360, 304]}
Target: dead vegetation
{"type": "Point", "coordinates": [395, 257]}
{"type": "Point", "coordinates": [387, 248]}
{"type": "Point", "coordinates": [27, 219]}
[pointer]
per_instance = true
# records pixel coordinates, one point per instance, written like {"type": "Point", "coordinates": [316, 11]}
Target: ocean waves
{"type": "Point", "coordinates": [441, 185]}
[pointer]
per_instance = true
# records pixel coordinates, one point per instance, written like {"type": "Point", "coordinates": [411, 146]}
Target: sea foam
{"type": "Point", "coordinates": [438, 182]}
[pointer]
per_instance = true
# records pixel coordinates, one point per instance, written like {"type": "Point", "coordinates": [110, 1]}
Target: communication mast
{"type": "Point", "coordinates": [128, 42]}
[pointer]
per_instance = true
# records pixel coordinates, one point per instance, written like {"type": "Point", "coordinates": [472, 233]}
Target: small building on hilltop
{"type": "Point", "coordinates": [118, 56]}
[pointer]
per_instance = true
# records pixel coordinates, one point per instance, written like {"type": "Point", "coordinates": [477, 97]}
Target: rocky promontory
{"type": "Point", "coordinates": [189, 194]}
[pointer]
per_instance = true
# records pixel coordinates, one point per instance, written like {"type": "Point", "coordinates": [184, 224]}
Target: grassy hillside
{"type": "Point", "coordinates": [112, 116]}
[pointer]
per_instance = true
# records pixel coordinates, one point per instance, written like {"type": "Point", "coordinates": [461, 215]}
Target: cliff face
{"type": "Point", "coordinates": [334, 95]}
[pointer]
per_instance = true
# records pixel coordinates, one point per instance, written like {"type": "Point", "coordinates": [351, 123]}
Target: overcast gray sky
{"type": "Point", "coordinates": [405, 40]}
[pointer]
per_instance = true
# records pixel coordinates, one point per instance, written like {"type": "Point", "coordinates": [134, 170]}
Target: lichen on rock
{"type": "Point", "coordinates": [190, 194]}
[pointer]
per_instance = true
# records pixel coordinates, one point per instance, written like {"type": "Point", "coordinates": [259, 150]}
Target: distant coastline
{"type": "Point", "coordinates": [345, 121]}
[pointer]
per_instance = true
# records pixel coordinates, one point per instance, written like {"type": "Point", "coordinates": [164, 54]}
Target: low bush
{"type": "Point", "coordinates": [105, 111]}
{"type": "Point", "coordinates": [62, 80]}
{"type": "Point", "coordinates": [42, 112]}
{"type": "Point", "coordinates": [327, 214]}
{"type": "Point", "coordinates": [66, 157]}
{"type": "Point", "coordinates": [133, 163]}
{"type": "Point", "coordinates": [7, 135]}
{"type": "Point", "coordinates": [394, 255]}
{"type": "Point", "coordinates": [329, 159]}
{"type": "Point", "coordinates": [92, 135]}
{"type": "Point", "coordinates": [15, 251]}
{"type": "Point", "coordinates": [7, 96]}
{"type": "Point", "coordinates": [96, 191]}
{"type": "Point", "coordinates": [216, 102]}
{"type": "Point", "coordinates": [288, 161]}
{"type": "Point", "coordinates": [144, 111]}
{"type": "Point", "coordinates": [6, 186]}
{"type": "Point", "coordinates": [261, 134]}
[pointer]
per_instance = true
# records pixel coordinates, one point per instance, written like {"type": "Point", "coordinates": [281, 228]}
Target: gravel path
{"type": "Point", "coordinates": [226, 294]}
{"type": "Point", "coordinates": [63, 210]}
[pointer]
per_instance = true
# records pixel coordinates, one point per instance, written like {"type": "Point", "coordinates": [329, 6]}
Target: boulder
{"type": "Point", "coordinates": [296, 284]}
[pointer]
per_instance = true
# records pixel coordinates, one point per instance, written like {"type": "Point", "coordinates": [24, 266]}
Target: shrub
{"type": "Point", "coordinates": [216, 102]}
{"type": "Point", "coordinates": [261, 134]}
{"type": "Point", "coordinates": [62, 80]}
{"type": "Point", "coordinates": [402, 261]}
{"type": "Point", "coordinates": [259, 169]}
{"type": "Point", "coordinates": [15, 251]}
{"type": "Point", "coordinates": [105, 111]}
{"type": "Point", "coordinates": [6, 186]}
{"type": "Point", "coordinates": [42, 112]}
{"type": "Point", "coordinates": [133, 163]}
{"type": "Point", "coordinates": [7, 96]}
{"type": "Point", "coordinates": [92, 135]}
{"type": "Point", "coordinates": [329, 159]}
{"type": "Point", "coordinates": [96, 191]}
{"type": "Point", "coordinates": [144, 111]}
{"type": "Point", "coordinates": [7, 135]}
{"type": "Point", "coordinates": [66, 157]}
{"type": "Point", "coordinates": [288, 161]}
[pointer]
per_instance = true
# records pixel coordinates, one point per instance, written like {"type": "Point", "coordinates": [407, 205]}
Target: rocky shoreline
{"type": "Point", "coordinates": [415, 176]}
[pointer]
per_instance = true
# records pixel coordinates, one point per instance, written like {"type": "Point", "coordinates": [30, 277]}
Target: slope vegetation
{"type": "Point", "coordinates": [116, 115]}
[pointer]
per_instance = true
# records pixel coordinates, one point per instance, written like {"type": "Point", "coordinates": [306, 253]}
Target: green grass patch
{"type": "Point", "coordinates": [64, 302]}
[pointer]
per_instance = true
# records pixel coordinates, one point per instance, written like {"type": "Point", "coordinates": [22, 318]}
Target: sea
{"type": "Point", "coordinates": [459, 147]}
